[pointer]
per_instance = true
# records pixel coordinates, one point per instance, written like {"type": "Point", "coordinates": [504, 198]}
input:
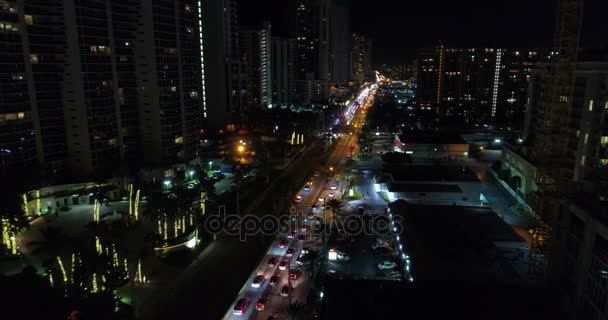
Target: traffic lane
{"type": "Point", "coordinates": [254, 294]}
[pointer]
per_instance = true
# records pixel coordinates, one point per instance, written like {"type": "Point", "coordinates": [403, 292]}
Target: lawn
{"type": "Point", "coordinates": [356, 195]}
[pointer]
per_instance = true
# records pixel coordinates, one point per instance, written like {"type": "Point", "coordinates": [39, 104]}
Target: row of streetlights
{"type": "Point", "coordinates": [406, 259]}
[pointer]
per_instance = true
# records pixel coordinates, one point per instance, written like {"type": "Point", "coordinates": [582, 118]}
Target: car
{"type": "Point", "coordinates": [274, 280]}
{"type": "Point", "coordinates": [240, 306]}
{"type": "Point", "coordinates": [387, 265]}
{"type": "Point", "coordinates": [321, 199]}
{"type": "Point", "coordinates": [285, 290]}
{"type": "Point", "coordinates": [273, 261]}
{"type": "Point", "coordinates": [309, 182]}
{"type": "Point", "coordinates": [333, 187]}
{"type": "Point", "coordinates": [305, 250]}
{"type": "Point", "coordinates": [283, 265]}
{"type": "Point", "coordinates": [261, 304]}
{"type": "Point", "coordinates": [291, 235]}
{"type": "Point", "coordinates": [301, 238]}
{"type": "Point", "coordinates": [310, 215]}
{"type": "Point", "coordinates": [304, 228]}
{"type": "Point", "coordinates": [343, 256]}
{"type": "Point", "coordinates": [348, 156]}
{"type": "Point", "coordinates": [282, 244]}
{"type": "Point", "coordinates": [332, 194]}
{"type": "Point", "coordinates": [392, 274]}
{"type": "Point", "coordinates": [257, 281]}
{"type": "Point", "coordinates": [299, 260]}
{"type": "Point", "coordinates": [293, 275]}
{"type": "Point", "coordinates": [379, 245]}
{"type": "Point", "coordinates": [298, 199]}
{"type": "Point", "coordinates": [273, 316]}
{"type": "Point", "coordinates": [306, 188]}
{"type": "Point", "coordinates": [316, 173]}
{"type": "Point", "coordinates": [289, 252]}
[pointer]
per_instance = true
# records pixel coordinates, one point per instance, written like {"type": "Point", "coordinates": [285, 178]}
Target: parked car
{"type": "Point", "coordinates": [386, 265]}
{"type": "Point", "coordinates": [283, 265]}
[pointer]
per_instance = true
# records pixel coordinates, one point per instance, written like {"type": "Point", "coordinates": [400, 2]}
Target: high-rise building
{"type": "Point", "coordinates": [256, 52]}
{"type": "Point", "coordinates": [578, 254]}
{"type": "Point", "coordinates": [340, 44]}
{"type": "Point", "coordinates": [311, 27]}
{"type": "Point", "coordinates": [170, 79]}
{"type": "Point", "coordinates": [322, 36]}
{"type": "Point", "coordinates": [283, 71]}
{"type": "Point", "coordinates": [220, 36]}
{"type": "Point", "coordinates": [361, 57]}
{"type": "Point", "coordinates": [302, 25]}
{"type": "Point", "coordinates": [476, 86]}
{"type": "Point", "coordinates": [95, 85]}
{"type": "Point", "coordinates": [18, 117]}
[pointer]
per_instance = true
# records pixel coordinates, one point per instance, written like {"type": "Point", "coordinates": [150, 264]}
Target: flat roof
{"type": "Point", "coordinates": [429, 173]}
{"type": "Point", "coordinates": [424, 187]}
{"type": "Point", "coordinates": [454, 242]}
{"type": "Point", "coordinates": [431, 138]}
{"type": "Point", "coordinates": [438, 300]}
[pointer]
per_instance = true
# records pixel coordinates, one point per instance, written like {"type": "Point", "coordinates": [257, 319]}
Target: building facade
{"type": "Point", "coordinates": [361, 57]}
{"type": "Point", "coordinates": [257, 61]}
{"type": "Point", "coordinates": [478, 87]}
{"type": "Point", "coordinates": [283, 71]}
{"type": "Point", "coordinates": [101, 86]}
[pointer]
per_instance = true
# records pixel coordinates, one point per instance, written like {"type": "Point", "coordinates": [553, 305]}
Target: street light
{"type": "Point", "coordinates": [191, 173]}
{"type": "Point", "coordinates": [210, 163]}
{"type": "Point", "coordinates": [241, 149]}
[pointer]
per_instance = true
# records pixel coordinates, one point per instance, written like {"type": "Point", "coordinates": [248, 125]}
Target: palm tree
{"type": "Point", "coordinates": [335, 205]}
{"type": "Point", "coordinates": [293, 311]}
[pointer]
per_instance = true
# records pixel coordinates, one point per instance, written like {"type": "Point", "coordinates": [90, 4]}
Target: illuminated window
{"type": "Point", "coordinates": [583, 160]}
{"type": "Point", "coordinates": [586, 138]}
{"type": "Point", "coordinates": [33, 58]}
{"type": "Point", "coordinates": [604, 140]}
{"type": "Point", "coordinates": [179, 140]}
{"type": "Point", "coordinates": [28, 19]}
{"type": "Point", "coordinates": [604, 162]}
{"type": "Point", "coordinates": [590, 105]}
{"type": "Point", "coordinates": [173, 89]}
{"type": "Point", "coordinates": [124, 58]}
{"type": "Point", "coordinates": [100, 49]}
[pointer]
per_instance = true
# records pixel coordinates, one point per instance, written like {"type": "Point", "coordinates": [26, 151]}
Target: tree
{"type": "Point", "coordinates": [294, 310]}
{"type": "Point", "coordinates": [335, 205]}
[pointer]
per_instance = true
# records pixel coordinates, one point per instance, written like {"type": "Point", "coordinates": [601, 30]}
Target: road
{"type": "Point", "coordinates": [323, 186]}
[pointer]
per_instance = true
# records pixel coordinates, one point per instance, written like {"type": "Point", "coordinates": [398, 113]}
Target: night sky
{"type": "Point", "coordinates": [398, 27]}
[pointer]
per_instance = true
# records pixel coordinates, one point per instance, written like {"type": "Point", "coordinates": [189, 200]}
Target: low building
{"type": "Point", "coordinates": [63, 197]}
{"type": "Point", "coordinates": [517, 171]}
{"type": "Point", "coordinates": [446, 185]}
{"type": "Point", "coordinates": [432, 146]}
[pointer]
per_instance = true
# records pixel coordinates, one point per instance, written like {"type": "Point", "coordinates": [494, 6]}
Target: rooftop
{"type": "Point", "coordinates": [431, 138]}
{"type": "Point", "coordinates": [453, 243]}
{"type": "Point", "coordinates": [429, 173]}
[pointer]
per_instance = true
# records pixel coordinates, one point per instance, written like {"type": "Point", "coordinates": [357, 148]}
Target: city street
{"type": "Point", "coordinates": [299, 289]}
